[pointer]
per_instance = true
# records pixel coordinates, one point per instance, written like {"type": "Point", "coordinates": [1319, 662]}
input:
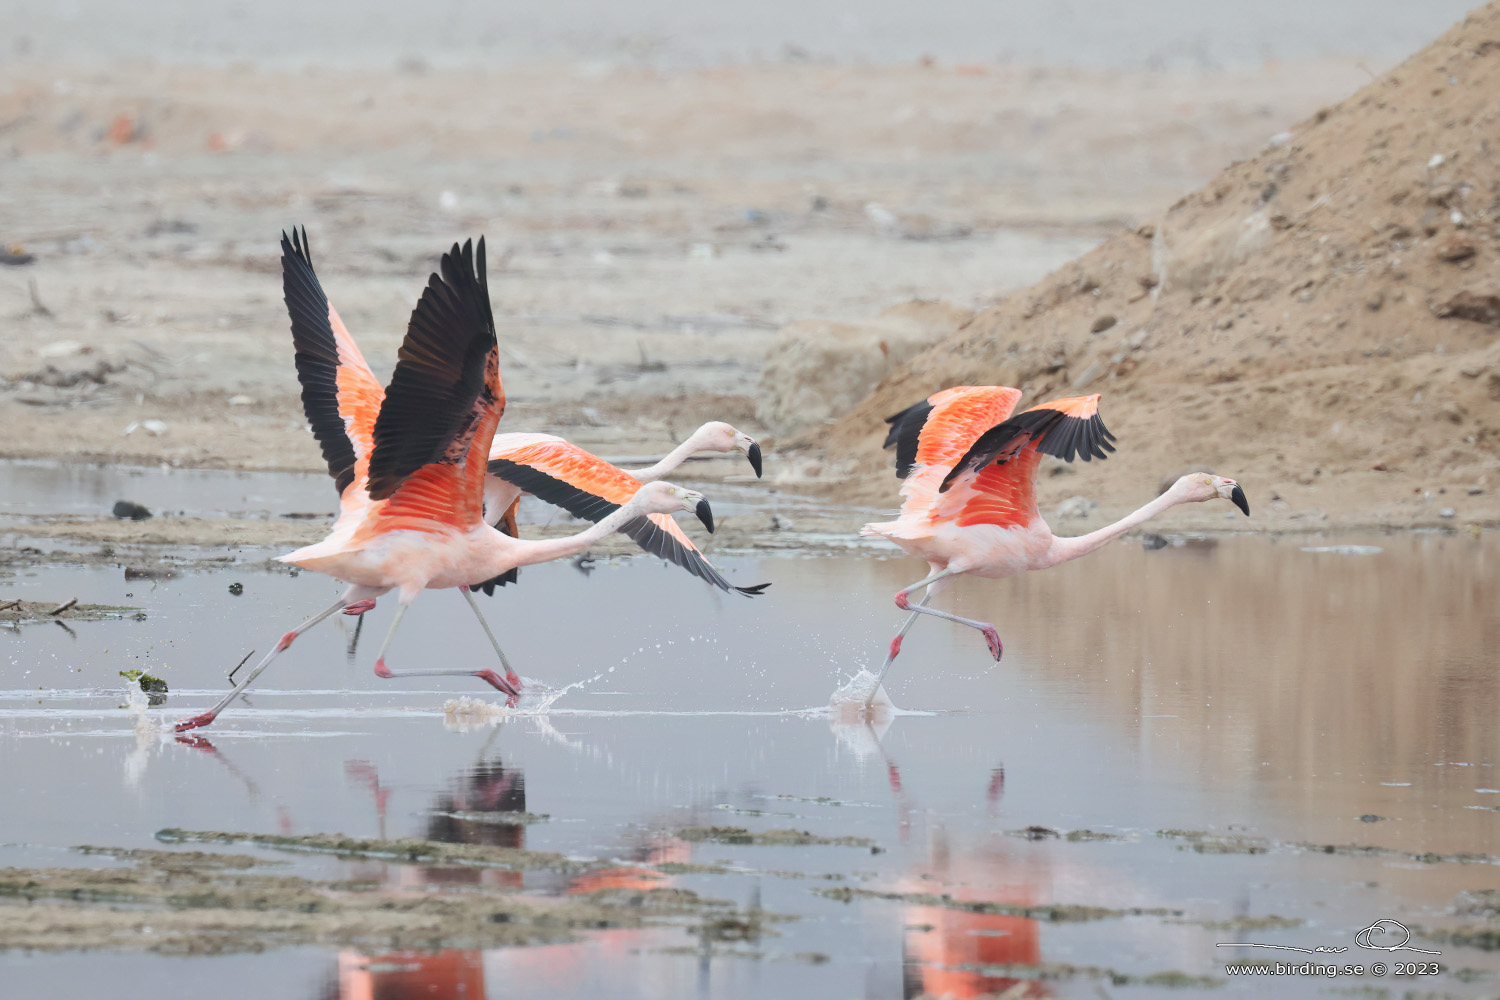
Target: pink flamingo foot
{"type": "Point", "coordinates": [993, 638]}
{"type": "Point", "coordinates": [509, 685]}
{"type": "Point", "coordinates": [360, 607]}
{"type": "Point", "coordinates": [901, 600]}
{"type": "Point", "coordinates": [205, 719]}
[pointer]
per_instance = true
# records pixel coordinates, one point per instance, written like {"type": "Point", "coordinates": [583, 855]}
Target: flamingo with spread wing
{"type": "Point", "coordinates": [970, 491]}
{"type": "Point", "coordinates": [409, 462]}
{"type": "Point", "coordinates": [580, 478]}
{"type": "Point", "coordinates": [588, 487]}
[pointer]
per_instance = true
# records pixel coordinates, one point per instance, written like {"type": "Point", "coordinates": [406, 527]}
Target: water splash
{"type": "Point", "coordinates": [536, 699]}
{"type": "Point", "coordinates": [848, 701]}
{"type": "Point", "coordinates": [149, 732]}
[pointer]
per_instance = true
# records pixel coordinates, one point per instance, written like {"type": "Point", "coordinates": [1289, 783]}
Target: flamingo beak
{"type": "Point", "coordinates": [705, 514]}
{"type": "Point", "coordinates": [1237, 497]}
{"type": "Point", "coordinates": [753, 454]}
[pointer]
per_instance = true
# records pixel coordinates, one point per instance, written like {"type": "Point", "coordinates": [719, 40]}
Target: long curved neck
{"type": "Point", "coordinates": [1064, 549]}
{"type": "Point", "coordinates": [673, 459]}
{"type": "Point", "coordinates": [532, 551]}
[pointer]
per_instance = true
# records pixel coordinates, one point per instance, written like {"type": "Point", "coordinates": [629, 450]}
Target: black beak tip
{"type": "Point", "coordinates": [1237, 497]}
{"type": "Point", "coordinates": [754, 456]}
{"type": "Point", "coordinates": [706, 515]}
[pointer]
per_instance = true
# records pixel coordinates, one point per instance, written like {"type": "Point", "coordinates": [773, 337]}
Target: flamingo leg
{"type": "Point", "coordinates": [933, 583]}
{"type": "Point", "coordinates": [990, 635]}
{"type": "Point", "coordinates": [895, 651]}
{"type": "Point", "coordinates": [926, 581]}
{"type": "Point", "coordinates": [286, 640]}
{"type": "Point", "coordinates": [510, 675]}
{"type": "Point", "coordinates": [488, 676]}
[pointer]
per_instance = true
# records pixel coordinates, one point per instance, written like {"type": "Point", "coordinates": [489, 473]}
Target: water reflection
{"type": "Point", "coordinates": [1253, 662]}
{"type": "Point", "coordinates": [450, 974]}
{"type": "Point", "coordinates": [947, 951]}
{"type": "Point", "coordinates": [486, 804]}
{"type": "Point", "coordinates": [472, 810]}
{"type": "Point", "coordinates": [1254, 689]}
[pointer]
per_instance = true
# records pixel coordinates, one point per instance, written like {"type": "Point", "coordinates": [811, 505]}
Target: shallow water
{"type": "Point", "coordinates": [31, 489]}
{"type": "Point", "coordinates": [1260, 699]}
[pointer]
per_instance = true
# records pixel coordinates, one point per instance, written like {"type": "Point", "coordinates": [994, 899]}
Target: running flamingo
{"type": "Point", "coordinates": [501, 499]}
{"type": "Point", "coordinates": [970, 492]}
{"type": "Point", "coordinates": [588, 487]}
{"type": "Point", "coordinates": [409, 463]}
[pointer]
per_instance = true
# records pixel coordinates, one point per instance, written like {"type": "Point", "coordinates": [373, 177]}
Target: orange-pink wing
{"type": "Point", "coordinates": [580, 482]}
{"type": "Point", "coordinates": [934, 434]}
{"type": "Point", "coordinates": [588, 487]}
{"type": "Point", "coordinates": [938, 430]}
{"type": "Point", "coordinates": [994, 481]}
{"type": "Point", "coordinates": [339, 393]}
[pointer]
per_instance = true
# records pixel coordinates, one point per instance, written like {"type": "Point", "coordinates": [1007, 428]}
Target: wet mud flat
{"type": "Point", "coordinates": [1222, 740]}
{"type": "Point", "coordinates": [197, 903]}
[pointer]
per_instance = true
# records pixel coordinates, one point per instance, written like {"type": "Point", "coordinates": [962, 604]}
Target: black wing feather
{"type": "Point", "coordinates": [549, 489]}
{"type": "Point", "coordinates": [905, 434]}
{"type": "Point", "coordinates": [642, 530]}
{"type": "Point", "coordinates": [649, 535]}
{"type": "Point", "coordinates": [440, 373]}
{"type": "Point", "coordinates": [1055, 432]}
{"type": "Point", "coordinates": [317, 356]}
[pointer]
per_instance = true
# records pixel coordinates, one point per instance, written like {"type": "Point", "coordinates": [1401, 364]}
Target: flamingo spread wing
{"type": "Point", "coordinates": [936, 431]}
{"type": "Point", "coordinates": [441, 408]}
{"type": "Point", "coordinates": [995, 480]}
{"type": "Point", "coordinates": [588, 487]}
{"type": "Point", "coordinates": [930, 437]}
{"type": "Point", "coordinates": [340, 395]}
{"type": "Point", "coordinates": [965, 458]}
{"type": "Point", "coordinates": [1061, 427]}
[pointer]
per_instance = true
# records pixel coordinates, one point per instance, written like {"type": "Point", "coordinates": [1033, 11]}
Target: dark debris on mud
{"type": "Point", "coordinates": [1204, 842]}
{"type": "Point", "coordinates": [1072, 836]}
{"type": "Point", "coordinates": [491, 817]}
{"type": "Point", "coordinates": [18, 612]}
{"type": "Point", "coordinates": [777, 838]}
{"type": "Point", "coordinates": [1048, 912]}
{"type": "Point", "coordinates": [408, 850]}
{"type": "Point", "coordinates": [1057, 971]}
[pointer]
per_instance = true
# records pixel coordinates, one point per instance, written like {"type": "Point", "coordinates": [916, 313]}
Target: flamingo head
{"type": "Point", "coordinates": [1196, 487]}
{"type": "Point", "coordinates": [716, 435]}
{"type": "Point", "coordinates": [662, 497]}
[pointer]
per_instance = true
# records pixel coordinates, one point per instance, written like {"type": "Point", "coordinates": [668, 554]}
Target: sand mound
{"type": "Point", "coordinates": [1321, 321]}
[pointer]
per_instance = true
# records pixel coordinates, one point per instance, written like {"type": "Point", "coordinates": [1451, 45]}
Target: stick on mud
{"type": "Point", "coordinates": [240, 664]}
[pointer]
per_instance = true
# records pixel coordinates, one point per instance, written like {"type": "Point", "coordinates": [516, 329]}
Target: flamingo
{"type": "Point", "coordinates": [714, 436]}
{"type": "Point", "coordinates": [501, 499]}
{"type": "Point", "coordinates": [409, 462]}
{"type": "Point", "coordinates": [586, 486]}
{"type": "Point", "coordinates": [969, 500]}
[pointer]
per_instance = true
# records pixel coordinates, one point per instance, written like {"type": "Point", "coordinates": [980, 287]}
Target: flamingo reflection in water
{"type": "Point", "coordinates": [947, 951]}
{"type": "Point", "coordinates": [475, 810]}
